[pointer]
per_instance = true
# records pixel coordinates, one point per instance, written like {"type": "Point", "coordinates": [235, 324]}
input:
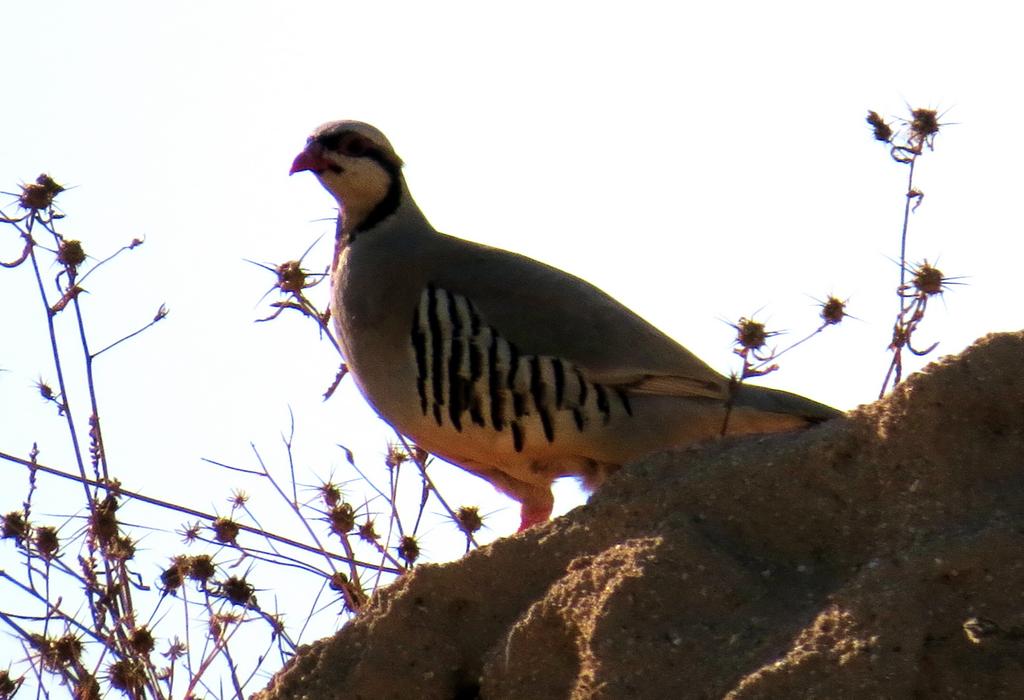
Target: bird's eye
{"type": "Point", "coordinates": [353, 145]}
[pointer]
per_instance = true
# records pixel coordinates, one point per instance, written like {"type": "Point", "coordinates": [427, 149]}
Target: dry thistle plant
{"type": "Point", "coordinates": [293, 281]}
{"type": "Point", "coordinates": [907, 143]}
{"type": "Point", "coordinates": [751, 344]}
{"type": "Point", "coordinates": [93, 612]}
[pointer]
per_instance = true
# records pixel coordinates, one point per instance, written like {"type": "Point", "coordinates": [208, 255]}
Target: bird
{"type": "Point", "coordinates": [507, 367]}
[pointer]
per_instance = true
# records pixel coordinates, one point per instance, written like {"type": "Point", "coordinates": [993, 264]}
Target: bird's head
{"type": "Point", "coordinates": [358, 166]}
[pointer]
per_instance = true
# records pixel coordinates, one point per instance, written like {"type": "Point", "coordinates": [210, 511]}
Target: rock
{"type": "Point", "coordinates": [880, 555]}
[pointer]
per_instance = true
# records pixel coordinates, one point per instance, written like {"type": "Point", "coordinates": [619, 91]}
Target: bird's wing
{"type": "Point", "coordinates": [545, 311]}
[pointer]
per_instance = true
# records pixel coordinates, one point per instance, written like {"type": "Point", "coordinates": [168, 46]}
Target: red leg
{"type": "Point", "coordinates": [536, 509]}
{"type": "Point", "coordinates": [536, 500]}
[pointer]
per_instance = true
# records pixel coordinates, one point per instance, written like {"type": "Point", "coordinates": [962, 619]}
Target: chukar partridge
{"type": "Point", "coordinates": [514, 370]}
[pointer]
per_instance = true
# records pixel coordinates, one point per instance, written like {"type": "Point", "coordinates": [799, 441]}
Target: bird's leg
{"type": "Point", "coordinates": [536, 500]}
{"type": "Point", "coordinates": [536, 508]}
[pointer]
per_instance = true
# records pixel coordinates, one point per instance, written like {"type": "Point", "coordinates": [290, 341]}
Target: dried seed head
{"type": "Point", "coordinates": [8, 686]}
{"type": "Point", "coordinates": [70, 254]}
{"type": "Point", "coordinates": [46, 541]}
{"type": "Point", "coordinates": [367, 532]}
{"type": "Point", "coordinates": [201, 568]}
{"type": "Point", "coordinates": [68, 650]}
{"type": "Point", "coordinates": [342, 519]}
{"type": "Point", "coordinates": [34, 196]}
{"type": "Point", "coordinates": [103, 520]}
{"type": "Point", "coordinates": [39, 194]}
{"type": "Point", "coordinates": [468, 519]}
{"type": "Point", "coordinates": [238, 498]}
{"type": "Point", "coordinates": [44, 645]}
{"type": "Point", "coordinates": [14, 526]}
{"type": "Point", "coordinates": [128, 676]}
{"type": "Point", "coordinates": [190, 533]}
{"type": "Point", "coordinates": [750, 334]}
{"type": "Point", "coordinates": [225, 530]}
{"type": "Point", "coordinates": [276, 623]}
{"type": "Point", "coordinates": [338, 581]}
{"type": "Point", "coordinates": [49, 184]}
{"type": "Point", "coordinates": [45, 390]}
{"type": "Point", "coordinates": [353, 596]}
{"type": "Point", "coordinates": [395, 457]}
{"type": "Point", "coordinates": [924, 124]}
{"type": "Point", "coordinates": [216, 627]}
{"type": "Point", "coordinates": [928, 280]}
{"type": "Point", "coordinates": [58, 653]}
{"type": "Point", "coordinates": [173, 576]}
{"type": "Point", "coordinates": [330, 493]}
{"type": "Point", "coordinates": [237, 590]}
{"type": "Point", "coordinates": [217, 624]}
{"type": "Point", "coordinates": [291, 277]}
{"type": "Point", "coordinates": [141, 641]}
{"type": "Point", "coordinates": [882, 131]}
{"type": "Point", "coordinates": [219, 621]}
{"type": "Point", "coordinates": [409, 549]}
{"type": "Point", "coordinates": [175, 650]}
{"type": "Point", "coordinates": [121, 548]}
{"type": "Point", "coordinates": [86, 688]}
{"type": "Point", "coordinates": [833, 311]}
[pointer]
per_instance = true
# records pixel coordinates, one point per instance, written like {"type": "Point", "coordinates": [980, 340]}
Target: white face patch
{"type": "Point", "coordinates": [361, 185]}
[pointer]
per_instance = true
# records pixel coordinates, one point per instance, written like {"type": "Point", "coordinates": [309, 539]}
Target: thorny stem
{"type": "Point", "coordinates": [430, 484]}
{"type": "Point", "coordinates": [11, 623]}
{"type": "Point", "coordinates": [135, 496]}
{"type": "Point", "coordinates": [118, 572]}
{"type": "Point", "coordinates": [208, 659]}
{"type": "Point", "coordinates": [395, 520]}
{"type": "Point", "coordinates": [24, 252]}
{"type": "Point", "coordinates": [60, 375]}
{"type": "Point", "coordinates": [101, 450]}
{"type": "Point", "coordinates": [730, 401]}
{"type": "Point", "coordinates": [751, 369]}
{"type": "Point", "coordinates": [900, 327]}
{"type": "Point", "coordinates": [273, 556]}
{"type": "Point", "coordinates": [233, 671]}
{"type": "Point", "coordinates": [160, 316]}
{"type": "Point", "coordinates": [303, 305]}
{"type": "Point", "coordinates": [123, 595]}
{"type": "Point", "coordinates": [105, 580]}
{"type": "Point", "coordinates": [96, 434]}
{"type": "Point", "coordinates": [906, 227]}
{"type": "Point", "coordinates": [354, 572]}
{"type": "Point", "coordinates": [53, 610]}
{"type": "Point", "coordinates": [386, 556]}
{"type": "Point", "coordinates": [131, 246]}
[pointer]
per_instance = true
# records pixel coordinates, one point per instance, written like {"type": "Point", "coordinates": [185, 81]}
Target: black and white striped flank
{"type": "Point", "coordinates": [467, 373]}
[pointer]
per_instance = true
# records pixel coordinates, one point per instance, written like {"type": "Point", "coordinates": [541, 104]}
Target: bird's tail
{"type": "Point", "coordinates": [762, 398]}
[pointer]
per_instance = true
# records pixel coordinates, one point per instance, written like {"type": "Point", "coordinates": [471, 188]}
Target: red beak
{"type": "Point", "coordinates": [311, 159]}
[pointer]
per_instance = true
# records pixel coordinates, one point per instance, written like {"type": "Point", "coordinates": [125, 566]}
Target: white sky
{"type": "Point", "coordinates": [699, 161]}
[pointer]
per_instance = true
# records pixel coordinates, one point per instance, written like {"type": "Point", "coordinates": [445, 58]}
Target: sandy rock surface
{"type": "Point", "coordinates": [876, 556]}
